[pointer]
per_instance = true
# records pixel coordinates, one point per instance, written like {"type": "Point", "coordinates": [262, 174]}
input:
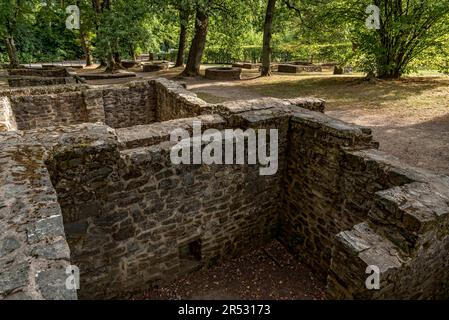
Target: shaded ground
{"type": "Point", "coordinates": [268, 273]}
{"type": "Point", "coordinates": [409, 117]}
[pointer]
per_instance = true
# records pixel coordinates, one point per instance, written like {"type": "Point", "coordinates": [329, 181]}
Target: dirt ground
{"type": "Point", "coordinates": [409, 117]}
{"type": "Point", "coordinates": [268, 273]}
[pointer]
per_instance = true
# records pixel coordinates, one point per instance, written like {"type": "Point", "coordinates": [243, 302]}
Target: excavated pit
{"type": "Point", "coordinates": [89, 170]}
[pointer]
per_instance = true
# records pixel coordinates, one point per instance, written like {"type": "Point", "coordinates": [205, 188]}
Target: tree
{"type": "Point", "coordinates": [184, 16]}
{"type": "Point", "coordinates": [266, 50]}
{"type": "Point", "coordinates": [122, 27]}
{"type": "Point", "coordinates": [406, 29]}
{"type": "Point", "coordinates": [14, 16]}
{"type": "Point", "coordinates": [199, 40]}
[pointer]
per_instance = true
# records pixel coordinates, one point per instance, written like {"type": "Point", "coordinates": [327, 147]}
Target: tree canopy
{"type": "Point", "coordinates": [410, 33]}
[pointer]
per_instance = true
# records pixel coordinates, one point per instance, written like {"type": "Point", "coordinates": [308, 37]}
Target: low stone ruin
{"type": "Point", "coordinates": [86, 179]}
{"type": "Point", "coordinates": [156, 66]}
{"type": "Point", "coordinates": [130, 64]}
{"type": "Point", "coordinates": [223, 73]}
{"type": "Point", "coordinates": [118, 74]}
{"type": "Point", "coordinates": [27, 77]}
{"type": "Point", "coordinates": [247, 65]}
{"type": "Point", "coordinates": [296, 68]}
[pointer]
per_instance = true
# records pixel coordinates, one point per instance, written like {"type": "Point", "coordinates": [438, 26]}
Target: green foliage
{"type": "Point", "coordinates": [414, 33]}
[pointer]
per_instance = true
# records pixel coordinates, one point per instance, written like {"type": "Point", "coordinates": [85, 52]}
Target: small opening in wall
{"type": "Point", "coordinates": [190, 255]}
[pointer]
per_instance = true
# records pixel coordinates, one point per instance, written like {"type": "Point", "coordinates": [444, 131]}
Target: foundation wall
{"type": "Point", "coordinates": [118, 106]}
{"type": "Point", "coordinates": [130, 215]}
{"type": "Point", "coordinates": [133, 219]}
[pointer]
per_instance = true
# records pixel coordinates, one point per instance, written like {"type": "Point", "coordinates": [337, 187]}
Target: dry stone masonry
{"type": "Point", "coordinates": [86, 179]}
{"type": "Point", "coordinates": [46, 76]}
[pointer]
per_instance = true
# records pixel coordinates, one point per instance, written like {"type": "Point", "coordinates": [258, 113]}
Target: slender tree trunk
{"type": "Point", "coordinates": [267, 32]}
{"type": "Point", "coordinates": [86, 49]}
{"type": "Point", "coordinates": [184, 20]}
{"type": "Point", "coordinates": [198, 44]}
{"type": "Point", "coordinates": [132, 53]}
{"type": "Point", "coordinates": [117, 58]}
{"type": "Point", "coordinates": [113, 62]}
{"type": "Point", "coordinates": [12, 52]}
{"type": "Point", "coordinates": [110, 63]}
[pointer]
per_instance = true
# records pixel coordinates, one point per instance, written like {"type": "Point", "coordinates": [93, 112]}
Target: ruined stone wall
{"type": "Point", "coordinates": [119, 106]}
{"type": "Point", "coordinates": [39, 72]}
{"type": "Point", "coordinates": [34, 254]}
{"type": "Point", "coordinates": [126, 106]}
{"type": "Point", "coordinates": [174, 102]}
{"type": "Point", "coordinates": [325, 191]}
{"type": "Point", "coordinates": [132, 219]}
{"type": "Point", "coordinates": [405, 234]}
{"type": "Point", "coordinates": [349, 206]}
{"type": "Point", "coordinates": [47, 110]}
{"type": "Point", "coordinates": [25, 81]}
{"type": "Point", "coordinates": [130, 216]}
{"type": "Point", "coordinates": [7, 119]}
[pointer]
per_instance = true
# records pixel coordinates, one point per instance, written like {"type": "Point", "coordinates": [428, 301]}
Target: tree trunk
{"type": "Point", "coordinates": [267, 31]}
{"type": "Point", "coordinates": [110, 63]}
{"type": "Point", "coordinates": [12, 52]}
{"type": "Point", "coordinates": [86, 49]}
{"type": "Point", "coordinates": [132, 53]}
{"type": "Point", "coordinates": [184, 20]}
{"type": "Point", "coordinates": [198, 44]}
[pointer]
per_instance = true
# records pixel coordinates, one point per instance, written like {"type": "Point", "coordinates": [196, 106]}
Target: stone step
{"type": "Point", "coordinates": [404, 214]}
{"type": "Point", "coordinates": [356, 254]}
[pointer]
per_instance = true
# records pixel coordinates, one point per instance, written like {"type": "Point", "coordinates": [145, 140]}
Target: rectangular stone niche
{"type": "Point", "coordinates": [190, 256]}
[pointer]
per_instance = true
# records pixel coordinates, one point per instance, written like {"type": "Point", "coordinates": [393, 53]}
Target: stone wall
{"type": "Point", "coordinates": [46, 110]}
{"type": "Point", "coordinates": [34, 254]}
{"type": "Point", "coordinates": [29, 77]}
{"type": "Point", "coordinates": [175, 102]}
{"type": "Point", "coordinates": [126, 106]}
{"type": "Point", "coordinates": [40, 72]}
{"type": "Point", "coordinates": [349, 206]}
{"type": "Point", "coordinates": [118, 106]}
{"type": "Point", "coordinates": [132, 219]}
{"type": "Point", "coordinates": [405, 234]}
{"type": "Point", "coordinates": [18, 82]}
{"type": "Point", "coordinates": [130, 215]}
{"type": "Point", "coordinates": [7, 119]}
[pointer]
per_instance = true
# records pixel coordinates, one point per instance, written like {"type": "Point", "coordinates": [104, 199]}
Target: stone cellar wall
{"type": "Point", "coordinates": [119, 106]}
{"type": "Point", "coordinates": [129, 214]}
{"type": "Point", "coordinates": [129, 106]}
{"type": "Point", "coordinates": [18, 82]}
{"type": "Point", "coordinates": [132, 219]}
{"type": "Point", "coordinates": [45, 110]}
{"type": "Point", "coordinates": [327, 189]}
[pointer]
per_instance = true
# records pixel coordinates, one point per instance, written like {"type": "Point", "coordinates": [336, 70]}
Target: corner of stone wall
{"type": "Point", "coordinates": [174, 101]}
{"type": "Point", "coordinates": [405, 235]}
{"type": "Point", "coordinates": [34, 254]}
{"type": "Point", "coordinates": [7, 118]}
